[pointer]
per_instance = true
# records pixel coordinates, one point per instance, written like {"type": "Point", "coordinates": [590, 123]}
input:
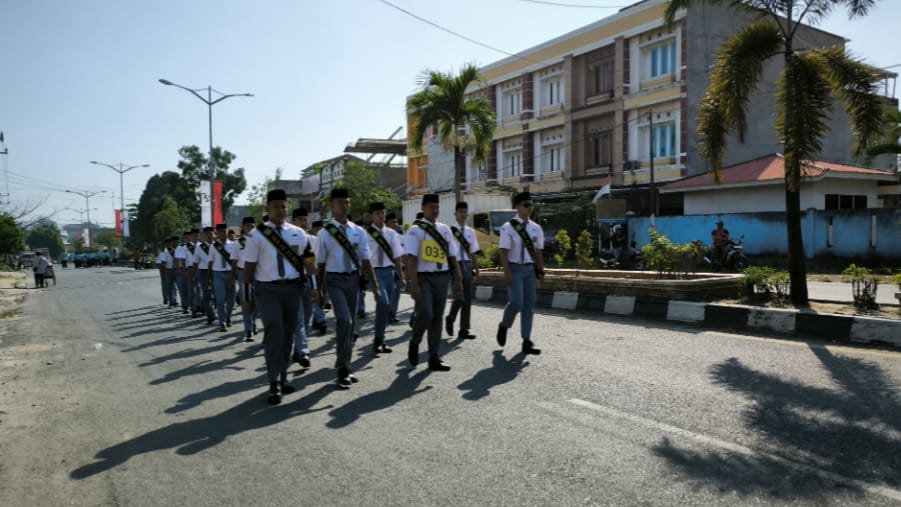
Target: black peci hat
{"type": "Point", "coordinates": [221, 227]}
{"type": "Point", "coordinates": [430, 199]}
{"type": "Point", "coordinates": [265, 218]}
{"type": "Point", "coordinates": [376, 206]}
{"type": "Point", "coordinates": [391, 216]}
{"type": "Point", "coordinates": [195, 230]}
{"type": "Point", "coordinates": [299, 212]}
{"type": "Point", "coordinates": [462, 205]}
{"type": "Point", "coordinates": [316, 223]}
{"type": "Point", "coordinates": [248, 220]}
{"type": "Point", "coordinates": [276, 195]}
{"type": "Point", "coordinates": [521, 197]}
{"type": "Point", "coordinates": [338, 193]}
{"type": "Point", "coordinates": [207, 229]}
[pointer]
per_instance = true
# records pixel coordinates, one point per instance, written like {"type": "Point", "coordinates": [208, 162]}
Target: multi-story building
{"type": "Point", "coordinates": [611, 98]}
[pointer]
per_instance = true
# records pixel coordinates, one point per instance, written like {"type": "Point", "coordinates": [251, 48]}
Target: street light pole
{"type": "Point", "coordinates": [87, 194]}
{"type": "Point", "coordinates": [121, 170]}
{"type": "Point", "coordinates": [209, 102]}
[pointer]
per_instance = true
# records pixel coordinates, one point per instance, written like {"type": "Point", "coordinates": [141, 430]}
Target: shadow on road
{"type": "Point", "coordinates": [404, 386]}
{"type": "Point", "coordinates": [852, 428]}
{"type": "Point", "coordinates": [500, 372]}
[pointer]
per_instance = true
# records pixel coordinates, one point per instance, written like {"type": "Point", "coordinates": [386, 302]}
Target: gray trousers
{"type": "Point", "coordinates": [277, 306]}
{"type": "Point", "coordinates": [463, 300]}
{"type": "Point", "coordinates": [430, 308]}
{"type": "Point", "coordinates": [344, 291]}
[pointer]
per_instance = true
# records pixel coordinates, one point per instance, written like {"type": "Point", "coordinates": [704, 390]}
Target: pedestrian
{"type": "Point", "coordinates": [419, 216]}
{"type": "Point", "coordinates": [219, 275]}
{"type": "Point", "coordinates": [182, 271]}
{"type": "Point", "coordinates": [203, 301]}
{"type": "Point", "coordinates": [161, 262]}
{"type": "Point", "coordinates": [342, 256]}
{"type": "Point", "coordinates": [39, 267]}
{"type": "Point", "coordinates": [64, 259]}
{"type": "Point", "coordinates": [238, 259]}
{"type": "Point", "coordinates": [521, 242]}
{"type": "Point", "coordinates": [272, 284]}
{"type": "Point", "coordinates": [171, 281]}
{"type": "Point", "coordinates": [300, 219]}
{"type": "Point", "coordinates": [318, 313]}
{"type": "Point", "coordinates": [386, 252]}
{"type": "Point", "coordinates": [468, 248]}
{"type": "Point", "coordinates": [431, 256]}
{"type": "Point", "coordinates": [391, 222]}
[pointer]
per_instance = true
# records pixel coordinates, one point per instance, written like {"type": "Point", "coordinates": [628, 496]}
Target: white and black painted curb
{"type": "Point", "coordinates": [844, 328]}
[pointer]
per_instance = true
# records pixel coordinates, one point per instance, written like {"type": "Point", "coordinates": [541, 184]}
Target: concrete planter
{"type": "Point", "coordinates": [698, 287]}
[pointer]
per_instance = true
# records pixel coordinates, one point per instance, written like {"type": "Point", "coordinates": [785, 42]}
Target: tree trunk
{"type": "Point", "coordinates": [459, 171]}
{"type": "Point", "coordinates": [797, 268]}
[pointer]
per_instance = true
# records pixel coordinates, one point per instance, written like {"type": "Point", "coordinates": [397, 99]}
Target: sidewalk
{"type": "Point", "coordinates": [840, 292]}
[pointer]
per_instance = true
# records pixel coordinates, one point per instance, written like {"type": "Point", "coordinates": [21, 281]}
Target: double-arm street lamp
{"type": "Point", "coordinates": [121, 169]}
{"type": "Point", "coordinates": [208, 100]}
{"type": "Point", "coordinates": [87, 194]}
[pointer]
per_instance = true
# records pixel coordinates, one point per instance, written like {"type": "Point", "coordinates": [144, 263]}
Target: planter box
{"type": "Point", "coordinates": [698, 287]}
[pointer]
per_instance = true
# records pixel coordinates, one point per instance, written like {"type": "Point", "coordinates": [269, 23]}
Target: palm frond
{"type": "Point", "coordinates": [804, 101]}
{"type": "Point", "coordinates": [739, 65]}
{"type": "Point", "coordinates": [712, 134]}
{"type": "Point", "coordinates": [856, 85]}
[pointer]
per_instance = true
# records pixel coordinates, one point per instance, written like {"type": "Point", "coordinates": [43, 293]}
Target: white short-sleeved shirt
{"type": "Point", "coordinates": [201, 258]}
{"type": "Point", "coordinates": [238, 252]}
{"type": "Point", "coordinates": [380, 259]}
{"type": "Point", "coordinates": [191, 249]}
{"type": "Point", "coordinates": [420, 244]}
{"type": "Point", "coordinates": [511, 241]}
{"type": "Point", "coordinates": [161, 257]}
{"type": "Point", "coordinates": [259, 250]}
{"type": "Point", "coordinates": [217, 261]}
{"type": "Point", "coordinates": [470, 235]}
{"type": "Point", "coordinates": [332, 254]}
{"type": "Point", "coordinates": [181, 252]}
{"type": "Point", "coordinates": [167, 257]}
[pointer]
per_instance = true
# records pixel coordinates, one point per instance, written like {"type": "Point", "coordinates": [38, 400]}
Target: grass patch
{"type": "Point", "coordinates": [8, 314]}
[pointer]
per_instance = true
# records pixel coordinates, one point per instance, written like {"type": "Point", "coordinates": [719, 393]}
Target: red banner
{"type": "Point", "coordinates": [118, 223]}
{"type": "Point", "coordinates": [217, 202]}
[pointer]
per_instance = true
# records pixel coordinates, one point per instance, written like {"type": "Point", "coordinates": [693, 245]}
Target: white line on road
{"type": "Point", "coordinates": [740, 449]}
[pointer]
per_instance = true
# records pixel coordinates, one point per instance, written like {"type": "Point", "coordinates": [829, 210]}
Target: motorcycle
{"type": "Point", "coordinates": [629, 258]}
{"type": "Point", "coordinates": [732, 259]}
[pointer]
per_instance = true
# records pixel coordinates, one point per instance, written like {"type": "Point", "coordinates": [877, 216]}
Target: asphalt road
{"type": "Point", "coordinates": [108, 398]}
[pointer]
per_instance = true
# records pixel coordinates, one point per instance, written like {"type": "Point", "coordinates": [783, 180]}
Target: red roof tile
{"type": "Point", "coordinates": [769, 169]}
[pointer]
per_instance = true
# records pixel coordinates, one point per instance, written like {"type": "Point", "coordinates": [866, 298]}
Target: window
{"type": "Point", "coordinates": [512, 103]}
{"type": "Point", "coordinates": [601, 147]}
{"type": "Point", "coordinates": [664, 138]}
{"type": "Point", "coordinates": [842, 201]}
{"type": "Point", "coordinates": [553, 91]}
{"type": "Point", "coordinates": [553, 158]}
{"type": "Point", "coordinates": [599, 78]}
{"type": "Point", "coordinates": [512, 164]}
{"type": "Point", "coordinates": [661, 60]}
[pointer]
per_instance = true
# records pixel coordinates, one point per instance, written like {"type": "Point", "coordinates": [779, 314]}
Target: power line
{"type": "Point", "coordinates": [455, 34]}
{"type": "Point", "coordinates": [583, 6]}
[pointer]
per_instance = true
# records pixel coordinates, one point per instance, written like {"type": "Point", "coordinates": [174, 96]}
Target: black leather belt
{"type": "Point", "coordinates": [385, 267]}
{"type": "Point", "coordinates": [338, 273]}
{"type": "Point", "coordinates": [282, 282]}
{"type": "Point", "coordinates": [432, 273]}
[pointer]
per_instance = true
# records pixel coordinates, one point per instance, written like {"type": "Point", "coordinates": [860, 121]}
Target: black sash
{"type": "Point", "coordinates": [191, 248]}
{"type": "Point", "coordinates": [222, 252]}
{"type": "Point", "coordinates": [290, 255]}
{"type": "Point", "coordinates": [527, 244]}
{"type": "Point", "coordinates": [206, 248]}
{"type": "Point", "coordinates": [433, 232]}
{"type": "Point", "coordinates": [458, 233]}
{"type": "Point", "coordinates": [243, 242]}
{"type": "Point", "coordinates": [381, 240]}
{"type": "Point", "coordinates": [344, 242]}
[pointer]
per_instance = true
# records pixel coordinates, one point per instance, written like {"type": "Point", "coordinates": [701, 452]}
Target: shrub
{"type": "Point", "coordinates": [491, 258]}
{"type": "Point", "coordinates": [564, 243]}
{"type": "Point", "coordinates": [665, 257]}
{"type": "Point", "coordinates": [863, 286]}
{"type": "Point", "coordinates": [583, 249]}
{"type": "Point", "coordinates": [765, 283]}
{"type": "Point", "coordinates": [896, 279]}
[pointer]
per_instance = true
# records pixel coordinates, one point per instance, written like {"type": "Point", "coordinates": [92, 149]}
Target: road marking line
{"type": "Point", "coordinates": [740, 449]}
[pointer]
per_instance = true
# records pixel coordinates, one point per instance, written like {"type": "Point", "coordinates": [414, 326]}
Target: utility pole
{"type": "Point", "coordinates": [653, 196]}
{"type": "Point", "coordinates": [87, 194]}
{"type": "Point", "coordinates": [4, 151]}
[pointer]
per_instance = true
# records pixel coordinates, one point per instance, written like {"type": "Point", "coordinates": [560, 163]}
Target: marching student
{"type": "Point", "coordinates": [342, 256]}
{"type": "Point", "coordinates": [219, 274]}
{"type": "Point", "coordinates": [161, 263]}
{"type": "Point", "coordinates": [431, 255]}
{"type": "Point", "coordinates": [203, 300]}
{"type": "Point", "coordinates": [318, 312]}
{"type": "Point", "coordinates": [273, 281]}
{"type": "Point", "coordinates": [301, 356]}
{"type": "Point", "coordinates": [386, 253]}
{"type": "Point", "coordinates": [391, 222]}
{"type": "Point", "coordinates": [237, 280]}
{"type": "Point", "coordinates": [468, 247]}
{"type": "Point", "coordinates": [171, 281]}
{"type": "Point", "coordinates": [521, 242]}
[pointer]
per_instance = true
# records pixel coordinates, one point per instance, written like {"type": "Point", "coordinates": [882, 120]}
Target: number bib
{"type": "Point", "coordinates": [432, 252]}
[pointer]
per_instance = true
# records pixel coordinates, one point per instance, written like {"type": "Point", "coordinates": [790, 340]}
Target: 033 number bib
{"type": "Point", "coordinates": [432, 252]}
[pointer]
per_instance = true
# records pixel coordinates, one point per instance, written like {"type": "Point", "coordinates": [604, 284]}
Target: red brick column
{"type": "Point", "coordinates": [528, 154]}
{"type": "Point", "coordinates": [528, 99]}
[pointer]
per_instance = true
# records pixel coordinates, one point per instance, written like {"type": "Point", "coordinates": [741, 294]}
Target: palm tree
{"type": "Point", "coordinates": [810, 79]}
{"type": "Point", "coordinates": [890, 143]}
{"type": "Point", "coordinates": [465, 122]}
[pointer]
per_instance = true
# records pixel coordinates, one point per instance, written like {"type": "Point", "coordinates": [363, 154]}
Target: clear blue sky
{"type": "Point", "coordinates": [78, 80]}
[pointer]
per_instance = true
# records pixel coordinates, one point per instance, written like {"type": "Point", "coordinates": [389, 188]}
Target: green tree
{"type": "Point", "coordinates": [194, 169]}
{"type": "Point", "coordinates": [360, 182]}
{"type": "Point", "coordinates": [564, 245]}
{"type": "Point", "coordinates": [584, 244]}
{"type": "Point", "coordinates": [109, 239]}
{"type": "Point", "coordinates": [13, 237]}
{"type": "Point", "coordinates": [890, 143]}
{"type": "Point", "coordinates": [142, 220]}
{"type": "Point", "coordinates": [810, 79]}
{"type": "Point", "coordinates": [465, 121]}
{"type": "Point", "coordinates": [171, 220]}
{"type": "Point", "coordinates": [256, 196]}
{"type": "Point", "coordinates": [46, 236]}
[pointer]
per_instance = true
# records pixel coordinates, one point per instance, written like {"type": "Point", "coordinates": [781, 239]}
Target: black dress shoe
{"type": "Point", "coordinates": [223, 329]}
{"type": "Point", "coordinates": [304, 361]}
{"type": "Point", "coordinates": [274, 397]}
{"type": "Point", "coordinates": [464, 335]}
{"type": "Point", "coordinates": [413, 353]}
{"type": "Point", "coordinates": [384, 349]}
{"type": "Point", "coordinates": [248, 337]}
{"type": "Point", "coordinates": [352, 378]}
{"type": "Point", "coordinates": [361, 314]}
{"type": "Point", "coordinates": [194, 314]}
{"type": "Point", "coordinates": [356, 335]}
{"type": "Point", "coordinates": [228, 323]}
{"type": "Point", "coordinates": [327, 306]}
{"type": "Point", "coordinates": [295, 357]}
{"type": "Point", "coordinates": [449, 326]}
{"type": "Point", "coordinates": [286, 388]}
{"type": "Point", "coordinates": [394, 320]}
{"type": "Point", "coordinates": [529, 348]}
{"type": "Point", "coordinates": [344, 382]}
{"type": "Point", "coordinates": [323, 329]}
{"type": "Point", "coordinates": [436, 364]}
{"type": "Point", "coordinates": [209, 319]}
{"type": "Point", "coordinates": [501, 335]}
{"type": "Point", "coordinates": [184, 310]}
{"type": "Point", "coordinates": [255, 331]}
